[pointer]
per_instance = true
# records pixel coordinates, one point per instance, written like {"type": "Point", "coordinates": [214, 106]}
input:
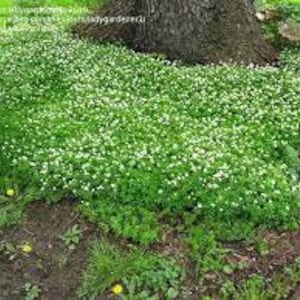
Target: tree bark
{"type": "Point", "coordinates": [193, 31]}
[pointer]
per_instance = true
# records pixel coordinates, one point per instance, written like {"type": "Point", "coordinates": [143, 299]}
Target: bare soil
{"type": "Point", "coordinates": [52, 266]}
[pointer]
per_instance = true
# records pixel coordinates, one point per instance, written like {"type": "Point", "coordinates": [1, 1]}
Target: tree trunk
{"type": "Point", "coordinates": [193, 31]}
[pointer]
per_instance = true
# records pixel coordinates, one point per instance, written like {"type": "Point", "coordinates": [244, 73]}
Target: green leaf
{"type": "Point", "coordinates": [172, 293]}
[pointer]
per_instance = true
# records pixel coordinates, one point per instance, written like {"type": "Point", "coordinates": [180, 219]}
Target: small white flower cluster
{"type": "Point", "coordinates": [101, 121]}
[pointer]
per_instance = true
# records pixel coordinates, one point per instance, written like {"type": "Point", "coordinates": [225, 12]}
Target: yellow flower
{"type": "Point", "coordinates": [10, 192]}
{"type": "Point", "coordinates": [117, 289]}
{"type": "Point", "coordinates": [27, 249]}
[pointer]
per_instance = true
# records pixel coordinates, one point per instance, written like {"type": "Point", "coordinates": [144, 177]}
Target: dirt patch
{"type": "Point", "coordinates": [283, 249]}
{"type": "Point", "coordinates": [52, 266]}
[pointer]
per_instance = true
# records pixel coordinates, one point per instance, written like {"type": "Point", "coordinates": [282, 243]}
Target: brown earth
{"type": "Point", "coordinates": [52, 266]}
